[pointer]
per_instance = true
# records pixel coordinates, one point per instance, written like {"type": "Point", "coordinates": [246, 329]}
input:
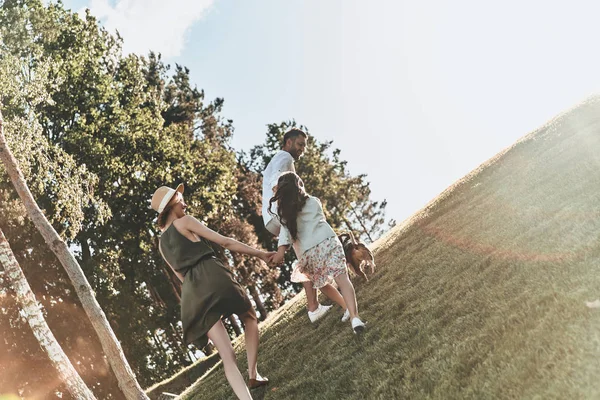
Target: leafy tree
{"type": "Point", "coordinates": [63, 186]}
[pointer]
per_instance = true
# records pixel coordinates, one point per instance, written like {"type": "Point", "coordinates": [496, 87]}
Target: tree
{"type": "Point", "coordinates": [32, 313]}
{"type": "Point", "coordinates": [110, 344]}
{"type": "Point", "coordinates": [24, 91]}
{"type": "Point", "coordinates": [65, 189]}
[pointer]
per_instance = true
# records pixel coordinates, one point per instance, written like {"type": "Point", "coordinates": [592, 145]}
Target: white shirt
{"type": "Point", "coordinates": [312, 228]}
{"type": "Point", "coordinates": [280, 163]}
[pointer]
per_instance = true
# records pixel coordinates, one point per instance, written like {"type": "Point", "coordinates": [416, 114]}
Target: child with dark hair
{"type": "Point", "coordinates": [320, 254]}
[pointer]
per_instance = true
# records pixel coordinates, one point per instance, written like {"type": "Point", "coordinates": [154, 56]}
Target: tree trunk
{"type": "Point", "coordinates": [184, 349]}
{"type": "Point", "coordinates": [31, 310]}
{"type": "Point", "coordinates": [259, 304]}
{"type": "Point", "coordinates": [234, 324]}
{"type": "Point", "coordinates": [209, 349]}
{"type": "Point", "coordinates": [86, 254]}
{"type": "Point", "coordinates": [111, 346]}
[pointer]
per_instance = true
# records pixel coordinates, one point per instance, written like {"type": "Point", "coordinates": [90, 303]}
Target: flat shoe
{"type": "Point", "coordinates": [319, 313]}
{"type": "Point", "coordinates": [346, 316]}
{"type": "Point", "coordinates": [256, 383]}
{"type": "Point", "coordinates": [357, 325]}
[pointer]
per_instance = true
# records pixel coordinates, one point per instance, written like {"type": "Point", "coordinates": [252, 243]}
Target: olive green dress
{"type": "Point", "coordinates": [209, 290]}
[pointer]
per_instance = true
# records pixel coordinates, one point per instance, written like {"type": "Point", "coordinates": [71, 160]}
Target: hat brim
{"type": "Point", "coordinates": [180, 188]}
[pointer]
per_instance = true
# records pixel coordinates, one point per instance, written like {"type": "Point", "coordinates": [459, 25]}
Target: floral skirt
{"type": "Point", "coordinates": [321, 264]}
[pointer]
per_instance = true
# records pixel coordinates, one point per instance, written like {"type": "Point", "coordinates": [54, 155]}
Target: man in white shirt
{"type": "Point", "coordinates": [294, 145]}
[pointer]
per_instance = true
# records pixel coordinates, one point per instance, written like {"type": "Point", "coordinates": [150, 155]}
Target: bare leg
{"type": "Point", "coordinates": [251, 336]}
{"type": "Point", "coordinates": [311, 296]}
{"type": "Point", "coordinates": [334, 295]}
{"type": "Point", "coordinates": [219, 336]}
{"type": "Point", "coordinates": [348, 293]}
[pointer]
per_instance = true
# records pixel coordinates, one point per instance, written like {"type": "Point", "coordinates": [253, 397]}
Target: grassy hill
{"type": "Point", "coordinates": [479, 295]}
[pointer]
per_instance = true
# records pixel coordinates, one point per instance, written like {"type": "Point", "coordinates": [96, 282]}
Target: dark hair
{"type": "Point", "coordinates": [293, 133]}
{"type": "Point", "coordinates": [290, 197]}
{"type": "Point", "coordinates": [162, 217]}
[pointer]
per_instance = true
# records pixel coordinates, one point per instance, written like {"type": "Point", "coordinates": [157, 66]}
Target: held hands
{"type": "Point", "coordinates": [267, 257]}
{"type": "Point", "coordinates": [278, 257]}
{"type": "Point", "coordinates": [273, 258]}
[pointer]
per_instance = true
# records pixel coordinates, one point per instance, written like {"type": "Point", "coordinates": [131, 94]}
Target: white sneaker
{"type": "Point", "coordinates": [357, 325]}
{"type": "Point", "coordinates": [346, 316]}
{"type": "Point", "coordinates": [316, 315]}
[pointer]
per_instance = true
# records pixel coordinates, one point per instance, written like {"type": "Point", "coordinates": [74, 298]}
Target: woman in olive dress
{"type": "Point", "coordinates": [209, 291]}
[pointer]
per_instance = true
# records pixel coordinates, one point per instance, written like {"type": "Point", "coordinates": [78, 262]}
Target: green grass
{"type": "Point", "coordinates": [184, 378]}
{"type": "Point", "coordinates": [479, 295]}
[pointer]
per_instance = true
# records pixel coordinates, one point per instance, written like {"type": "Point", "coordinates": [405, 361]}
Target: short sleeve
{"type": "Point", "coordinates": [287, 165]}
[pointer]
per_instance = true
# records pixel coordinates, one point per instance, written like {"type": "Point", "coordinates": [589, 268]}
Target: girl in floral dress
{"type": "Point", "coordinates": [320, 254]}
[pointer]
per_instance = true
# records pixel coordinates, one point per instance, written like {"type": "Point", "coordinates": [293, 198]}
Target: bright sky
{"type": "Point", "coordinates": [415, 93]}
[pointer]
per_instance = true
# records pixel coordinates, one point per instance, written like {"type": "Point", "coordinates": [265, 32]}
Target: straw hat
{"type": "Point", "coordinates": [162, 196]}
